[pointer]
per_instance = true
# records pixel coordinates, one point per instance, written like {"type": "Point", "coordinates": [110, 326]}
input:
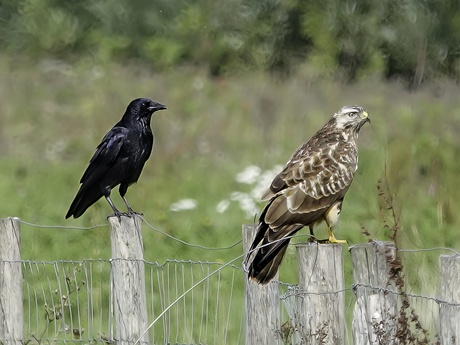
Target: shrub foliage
{"type": "Point", "coordinates": [412, 39]}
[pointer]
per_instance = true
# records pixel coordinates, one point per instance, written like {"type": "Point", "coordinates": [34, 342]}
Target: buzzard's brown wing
{"type": "Point", "coordinates": [311, 181]}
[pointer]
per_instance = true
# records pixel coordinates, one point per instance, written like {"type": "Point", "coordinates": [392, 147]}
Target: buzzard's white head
{"type": "Point", "coordinates": [351, 117]}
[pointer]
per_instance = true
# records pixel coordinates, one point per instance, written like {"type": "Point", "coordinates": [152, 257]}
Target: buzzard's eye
{"type": "Point", "coordinates": [351, 114]}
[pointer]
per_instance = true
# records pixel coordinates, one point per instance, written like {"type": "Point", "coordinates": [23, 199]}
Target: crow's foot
{"type": "Point", "coordinates": [132, 213]}
{"type": "Point", "coordinates": [119, 214]}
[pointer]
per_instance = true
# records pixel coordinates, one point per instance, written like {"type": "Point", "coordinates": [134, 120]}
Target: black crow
{"type": "Point", "coordinates": [118, 159]}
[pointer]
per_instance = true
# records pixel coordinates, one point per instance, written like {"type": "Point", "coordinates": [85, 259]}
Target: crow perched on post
{"type": "Point", "coordinates": [118, 159]}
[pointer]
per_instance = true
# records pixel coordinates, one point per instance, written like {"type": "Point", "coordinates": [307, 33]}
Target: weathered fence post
{"type": "Point", "coordinates": [375, 311]}
{"type": "Point", "coordinates": [321, 310]}
{"type": "Point", "coordinates": [11, 310]}
{"type": "Point", "coordinates": [262, 304]}
{"type": "Point", "coordinates": [449, 315]}
{"type": "Point", "coordinates": [128, 280]}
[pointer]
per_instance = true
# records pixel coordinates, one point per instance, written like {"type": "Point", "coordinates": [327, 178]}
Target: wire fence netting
{"type": "Point", "coordinates": [203, 302]}
{"type": "Point", "coordinates": [72, 301]}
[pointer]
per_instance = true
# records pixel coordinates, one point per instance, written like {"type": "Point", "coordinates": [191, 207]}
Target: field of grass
{"type": "Point", "coordinates": [53, 115]}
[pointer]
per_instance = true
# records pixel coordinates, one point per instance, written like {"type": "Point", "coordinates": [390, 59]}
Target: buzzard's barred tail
{"type": "Point", "coordinates": [262, 271]}
{"type": "Point", "coordinates": [268, 257]}
{"type": "Point", "coordinates": [270, 251]}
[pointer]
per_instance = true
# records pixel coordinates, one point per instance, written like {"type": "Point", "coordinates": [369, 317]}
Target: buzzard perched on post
{"type": "Point", "coordinates": [310, 189]}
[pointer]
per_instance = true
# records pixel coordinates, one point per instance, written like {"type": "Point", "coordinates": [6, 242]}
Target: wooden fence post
{"type": "Point", "coordinates": [128, 280]}
{"type": "Point", "coordinates": [262, 304]}
{"type": "Point", "coordinates": [11, 309]}
{"type": "Point", "coordinates": [449, 315]}
{"type": "Point", "coordinates": [321, 306]}
{"type": "Point", "coordinates": [376, 307]}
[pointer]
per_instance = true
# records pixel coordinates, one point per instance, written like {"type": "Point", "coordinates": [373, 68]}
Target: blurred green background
{"type": "Point", "coordinates": [245, 82]}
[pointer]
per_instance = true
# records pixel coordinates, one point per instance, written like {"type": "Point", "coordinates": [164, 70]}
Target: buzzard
{"type": "Point", "coordinates": [310, 189]}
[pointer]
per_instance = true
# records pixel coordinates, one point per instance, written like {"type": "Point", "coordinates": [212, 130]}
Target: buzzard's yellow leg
{"type": "Point", "coordinates": [332, 238]}
{"type": "Point", "coordinates": [332, 219]}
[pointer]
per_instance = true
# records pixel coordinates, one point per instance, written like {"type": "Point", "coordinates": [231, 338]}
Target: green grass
{"type": "Point", "coordinates": [53, 116]}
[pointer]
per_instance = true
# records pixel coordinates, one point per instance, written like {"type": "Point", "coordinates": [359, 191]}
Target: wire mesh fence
{"type": "Point", "coordinates": [71, 301]}
{"type": "Point", "coordinates": [67, 301]}
{"type": "Point", "coordinates": [202, 302]}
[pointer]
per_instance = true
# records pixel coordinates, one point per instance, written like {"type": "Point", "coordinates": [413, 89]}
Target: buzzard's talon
{"type": "Point", "coordinates": [332, 239]}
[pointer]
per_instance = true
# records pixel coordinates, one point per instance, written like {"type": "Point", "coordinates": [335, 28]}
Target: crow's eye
{"type": "Point", "coordinates": [144, 105]}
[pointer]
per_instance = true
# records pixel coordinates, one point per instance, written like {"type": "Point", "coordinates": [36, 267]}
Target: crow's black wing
{"type": "Point", "coordinates": [105, 156]}
{"type": "Point", "coordinates": [104, 159]}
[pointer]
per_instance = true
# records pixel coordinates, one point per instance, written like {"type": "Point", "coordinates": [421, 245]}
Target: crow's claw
{"type": "Point", "coordinates": [131, 212]}
{"type": "Point", "coordinates": [119, 214]}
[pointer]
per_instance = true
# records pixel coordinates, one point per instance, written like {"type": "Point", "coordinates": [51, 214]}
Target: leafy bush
{"type": "Point", "coordinates": [411, 39]}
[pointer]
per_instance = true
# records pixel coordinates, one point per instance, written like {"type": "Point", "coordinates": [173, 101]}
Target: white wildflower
{"type": "Point", "coordinates": [249, 175]}
{"type": "Point", "coordinates": [246, 203]}
{"type": "Point", "coordinates": [264, 181]}
{"type": "Point", "coordinates": [222, 206]}
{"type": "Point", "coordinates": [184, 204]}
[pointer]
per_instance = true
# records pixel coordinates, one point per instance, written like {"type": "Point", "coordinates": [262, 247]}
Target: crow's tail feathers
{"type": "Point", "coordinates": [268, 257]}
{"type": "Point", "coordinates": [84, 199]}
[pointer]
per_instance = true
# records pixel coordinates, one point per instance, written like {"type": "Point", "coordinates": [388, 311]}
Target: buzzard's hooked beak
{"type": "Point", "coordinates": [365, 116]}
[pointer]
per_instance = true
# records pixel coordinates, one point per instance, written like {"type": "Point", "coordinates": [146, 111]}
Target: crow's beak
{"type": "Point", "coordinates": [157, 106]}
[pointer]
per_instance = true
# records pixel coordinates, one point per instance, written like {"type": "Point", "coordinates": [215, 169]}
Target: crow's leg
{"type": "Point", "coordinates": [123, 189]}
{"type": "Point", "coordinates": [116, 213]}
{"type": "Point", "coordinates": [130, 209]}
